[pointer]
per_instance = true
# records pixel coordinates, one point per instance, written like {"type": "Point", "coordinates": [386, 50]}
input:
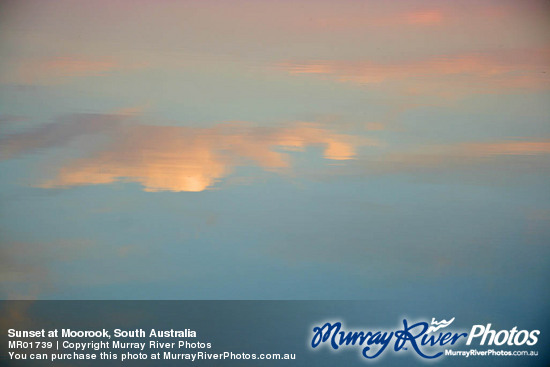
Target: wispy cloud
{"type": "Point", "coordinates": [56, 134]}
{"type": "Point", "coordinates": [28, 277]}
{"type": "Point", "coordinates": [464, 153]}
{"type": "Point", "coordinates": [503, 158]}
{"type": "Point", "coordinates": [25, 277]}
{"type": "Point", "coordinates": [62, 68]}
{"type": "Point", "coordinates": [497, 162]}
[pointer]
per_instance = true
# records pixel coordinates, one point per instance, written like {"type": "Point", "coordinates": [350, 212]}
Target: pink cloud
{"type": "Point", "coordinates": [463, 73]}
{"type": "Point", "coordinates": [429, 17]}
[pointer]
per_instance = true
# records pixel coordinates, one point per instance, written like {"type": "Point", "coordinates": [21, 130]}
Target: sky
{"type": "Point", "coordinates": [275, 150]}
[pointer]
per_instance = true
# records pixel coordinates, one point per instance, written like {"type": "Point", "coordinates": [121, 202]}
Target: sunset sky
{"type": "Point", "coordinates": [275, 150]}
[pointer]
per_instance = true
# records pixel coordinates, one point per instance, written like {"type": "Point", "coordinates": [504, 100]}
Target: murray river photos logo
{"type": "Point", "coordinates": [427, 340]}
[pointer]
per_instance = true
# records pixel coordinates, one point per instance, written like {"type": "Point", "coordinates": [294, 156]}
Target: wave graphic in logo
{"type": "Point", "coordinates": [439, 325]}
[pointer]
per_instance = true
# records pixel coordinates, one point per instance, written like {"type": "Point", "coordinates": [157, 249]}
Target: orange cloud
{"type": "Point", "coordinates": [172, 158]}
